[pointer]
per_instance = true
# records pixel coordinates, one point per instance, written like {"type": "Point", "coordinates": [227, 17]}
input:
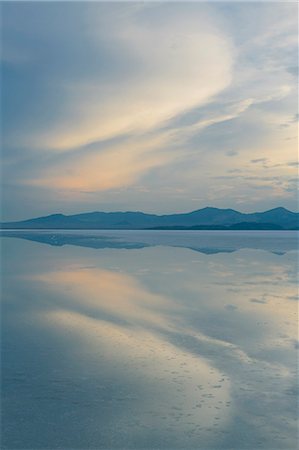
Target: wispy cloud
{"type": "Point", "coordinates": [140, 100]}
{"type": "Point", "coordinates": [119, 166]}
{"type": "Point", "coordinates": [169, 64]}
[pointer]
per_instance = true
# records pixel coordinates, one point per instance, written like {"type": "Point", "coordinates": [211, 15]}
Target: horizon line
{"type": "Point", "coordinates": [149, 213]}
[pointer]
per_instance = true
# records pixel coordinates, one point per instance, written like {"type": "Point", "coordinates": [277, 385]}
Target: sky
{"type": "Point", "coordinates": [157, 107]}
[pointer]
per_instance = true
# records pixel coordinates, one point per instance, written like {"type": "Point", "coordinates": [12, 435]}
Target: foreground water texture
{"type": "Point", "coordinates": [149, 340]}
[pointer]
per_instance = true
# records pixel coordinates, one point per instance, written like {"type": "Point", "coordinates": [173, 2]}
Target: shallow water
{"type": "Point", "coordinates": [149, 340]}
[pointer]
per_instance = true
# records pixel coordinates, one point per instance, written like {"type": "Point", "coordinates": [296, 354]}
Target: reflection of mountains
{"type": "Point", "coordinates": [203, 242]}
{"type": "Point", "coordinates": [58, 240]}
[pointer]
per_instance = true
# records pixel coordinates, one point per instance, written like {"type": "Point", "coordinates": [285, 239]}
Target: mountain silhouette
{"type": "Point", "coordinates": [206, 218]}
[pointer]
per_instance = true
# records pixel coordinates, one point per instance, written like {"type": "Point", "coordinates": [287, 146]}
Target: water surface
{"type": "Point", "coordinates": [149, 340]}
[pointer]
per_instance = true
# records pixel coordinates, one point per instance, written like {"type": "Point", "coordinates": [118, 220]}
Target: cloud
{"type": "Point", "coordinates": [176, 61]}
{"type": "Point", "coordinates": [118, 166]}
{"type": "Point", "coordinates": [142, 105]}
{"type": "Point", "coordinates": [259, 160]}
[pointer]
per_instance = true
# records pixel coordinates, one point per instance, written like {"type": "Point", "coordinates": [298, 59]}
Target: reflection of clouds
{"type": "Point", "coordinates": [165, 329]}
{"type": "Point", "coordinates": [248, 289]}
{"type": "Point", "coordinates": [184, 387]}
{"type": "Point", "coordinates": [113, 292]}
{"type": "Point", "coordinates": [183, 392]}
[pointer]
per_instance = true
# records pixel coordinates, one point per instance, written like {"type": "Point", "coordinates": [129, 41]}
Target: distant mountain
{"type": "Point", "coordinates": [206, 218]}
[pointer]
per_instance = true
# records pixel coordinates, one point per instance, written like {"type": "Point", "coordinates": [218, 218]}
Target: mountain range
{"type": "Point", "coordinates": [207, 218]}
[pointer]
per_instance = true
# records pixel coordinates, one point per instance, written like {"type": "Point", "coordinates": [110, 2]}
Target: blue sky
{"type": "Point", "coordinates": [160, 107]}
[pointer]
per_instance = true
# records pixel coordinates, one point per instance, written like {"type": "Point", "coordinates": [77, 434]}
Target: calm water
{"type": "Point", "coordinates": [149, 340]}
